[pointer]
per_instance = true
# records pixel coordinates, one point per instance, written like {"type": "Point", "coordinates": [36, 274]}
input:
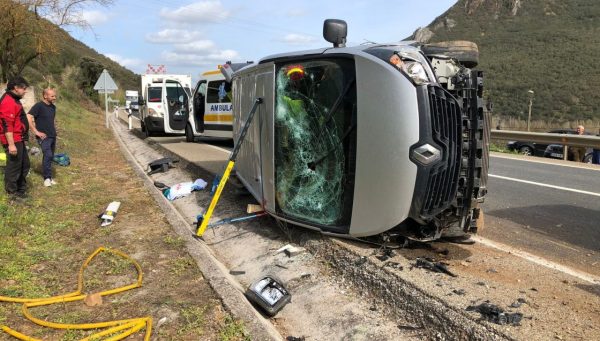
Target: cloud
{"type": "Point", "coordinates": [132, 63]}
{"type": "Point", "coordinates": [195, 47]}
{"type": "Point", "coordinates": [298, 39]}
{"type": "Point", "coordinates": [197, 13]}
{"type": "Point", "coordinates": [194, 59]}
{"type": "Point", "coordinates": [173, 36]}
{"type": "Point", "coordinates": [94, 17]}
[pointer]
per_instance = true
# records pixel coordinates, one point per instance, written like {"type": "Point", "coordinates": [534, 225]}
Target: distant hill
{"type": "Point", "coordinates": [549, 46]}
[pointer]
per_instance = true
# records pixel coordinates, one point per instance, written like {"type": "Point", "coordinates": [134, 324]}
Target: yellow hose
{"type": "Point", "coordinates": [125, 327]}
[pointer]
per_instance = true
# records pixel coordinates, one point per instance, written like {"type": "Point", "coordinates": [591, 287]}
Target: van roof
{"type": "Point", "coordinates": [409, 44]}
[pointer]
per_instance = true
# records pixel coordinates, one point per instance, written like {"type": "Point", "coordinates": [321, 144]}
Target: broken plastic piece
{"type": "Point", "coordinates": [493, 313]}
{"type": "Point", "coordinates": [269, 294]}
{"type": "Point", "coordinates": [291, 250]}
{"type": "Point", "coordinates": [432, 265]}
{"type": "Point", "coordinates": [109, 214]}
{"type": "Point", "coordinates": [161, 165]}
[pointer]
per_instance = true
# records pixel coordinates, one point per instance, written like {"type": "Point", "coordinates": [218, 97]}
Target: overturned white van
{"type": "Point", "coordinates": [365, 140]}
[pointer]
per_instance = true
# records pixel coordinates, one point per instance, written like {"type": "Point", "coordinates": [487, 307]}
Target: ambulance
{"type": "Point", "coordinates": [211, 111]}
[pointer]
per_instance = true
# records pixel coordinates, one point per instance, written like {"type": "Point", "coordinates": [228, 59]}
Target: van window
{"type": "Point", "coordinates": [154, 94]}
{"type": "Point", "coordinates": [217, 93]}
{"type": "Point", "coordinates": [315, 140]}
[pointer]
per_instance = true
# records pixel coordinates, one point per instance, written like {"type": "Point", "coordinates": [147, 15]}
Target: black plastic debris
{"type": "Point", "coordinates": [394, 265]}
{"type": "Point", "coordinates": [518, 303]}
{"type": "Point", "coordinates": [459, 292]}
{"type": "Point", "coordinates": [269, 294]}
{"type": "Point", "coordinates": [293, 338]}
{"type": "Point", "coordinates": [385, 254]}
{"type": "Point", "coordinates": [161, 165]}
{"type": "Point", "coordinates": [237, 272]}
{"type": "Point", "coordinates": [493, 313]}
{"type": "Point", "coordinates": [431, 265]}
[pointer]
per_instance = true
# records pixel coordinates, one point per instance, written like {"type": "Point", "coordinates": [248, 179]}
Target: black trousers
{"type": "Point", "coordinates": [16, 170]}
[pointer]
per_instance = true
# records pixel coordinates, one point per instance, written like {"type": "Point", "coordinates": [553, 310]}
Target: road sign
{"type": "Point", "coordinates": [105, 82]}
{"type": "Point", "coordinates": [105, 85]}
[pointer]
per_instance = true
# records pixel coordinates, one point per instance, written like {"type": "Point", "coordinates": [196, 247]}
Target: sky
{"type": "Point", "coordinates": [191, 37]}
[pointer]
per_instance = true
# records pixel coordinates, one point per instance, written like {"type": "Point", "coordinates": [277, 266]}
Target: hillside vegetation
{"type": "Point", "coordinates": [548, 46]}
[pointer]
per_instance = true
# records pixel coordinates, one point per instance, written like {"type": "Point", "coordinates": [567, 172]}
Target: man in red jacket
{"type": "Point", "coordinates": [14, 129]}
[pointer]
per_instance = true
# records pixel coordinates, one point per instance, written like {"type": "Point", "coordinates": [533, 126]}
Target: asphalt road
{"type": "Point", "coordinates": [546, 207]}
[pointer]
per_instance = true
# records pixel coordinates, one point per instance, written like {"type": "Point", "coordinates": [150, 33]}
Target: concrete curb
{"type": "Point", "coordinates": [217, 275]}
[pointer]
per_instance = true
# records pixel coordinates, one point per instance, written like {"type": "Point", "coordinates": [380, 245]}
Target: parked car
{"type": "Point", "coordinates": [555, 151]}
{"type": "Point", "coordinates": [536, 149]}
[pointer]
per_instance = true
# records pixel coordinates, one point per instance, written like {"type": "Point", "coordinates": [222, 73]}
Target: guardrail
{"type": "Point", "coordinates": [564, 139]}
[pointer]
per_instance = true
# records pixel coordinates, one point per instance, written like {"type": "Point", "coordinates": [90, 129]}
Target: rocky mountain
{"type": "Point", "coordinates": [549, 46]}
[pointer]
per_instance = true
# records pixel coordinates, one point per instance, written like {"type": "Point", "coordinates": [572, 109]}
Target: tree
{"type": "Point", "coordinates": [29, 28]}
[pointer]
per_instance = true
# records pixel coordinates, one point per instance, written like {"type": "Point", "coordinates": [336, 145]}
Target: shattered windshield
{"type": "Point", "coordinates": [315, 132]}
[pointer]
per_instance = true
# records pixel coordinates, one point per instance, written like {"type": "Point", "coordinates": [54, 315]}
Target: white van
{"type": "Point", "coordinates": [165, 104]}
{"type": "Point", "coordinates": [211, 108]}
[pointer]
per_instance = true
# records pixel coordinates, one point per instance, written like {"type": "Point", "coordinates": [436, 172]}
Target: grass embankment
{"type": "Point", "coordinates": [44, 241]}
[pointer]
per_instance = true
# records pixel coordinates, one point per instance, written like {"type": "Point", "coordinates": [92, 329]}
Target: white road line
{"type": "Point", "coordinates": [538, 260]}
{"type": "Point", "coordinates": [544, 185]}
{"type": "Point", "coordinates": [548, 162]}
{"type": "Point", "coordinates": [218, 148]}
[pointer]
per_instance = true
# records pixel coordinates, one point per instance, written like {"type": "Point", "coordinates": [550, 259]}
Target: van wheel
{"type": "Point", "coordinates": [189, 133]}
{"type": "Point", "coordinates": [465, 52]}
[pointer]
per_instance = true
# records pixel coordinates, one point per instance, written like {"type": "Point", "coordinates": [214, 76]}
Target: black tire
{"type": "Point", "coordinates": [526, 150]}
{"type": "Point", "coordinates": [465, 52]}
{"type": "Point", "coordinates": [189, 133]}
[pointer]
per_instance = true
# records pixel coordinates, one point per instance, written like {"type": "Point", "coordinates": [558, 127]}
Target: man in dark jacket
{"type": "Point", "coordinates": [14, 129]}
{"type": "Point", "coordinates": [41, 121]}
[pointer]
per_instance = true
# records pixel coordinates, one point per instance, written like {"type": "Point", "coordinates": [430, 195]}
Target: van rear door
{"type": "Point", "coordinates": [176, 104]}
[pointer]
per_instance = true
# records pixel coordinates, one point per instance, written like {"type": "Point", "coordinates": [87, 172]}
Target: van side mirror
{"type": "Point", "coordinates": [335, 32]}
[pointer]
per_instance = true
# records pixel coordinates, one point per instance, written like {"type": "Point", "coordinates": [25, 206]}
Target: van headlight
{"type": "Point", "coordinates": [416, 72]}
{"type": "Point", "coordinates": [154, 113]}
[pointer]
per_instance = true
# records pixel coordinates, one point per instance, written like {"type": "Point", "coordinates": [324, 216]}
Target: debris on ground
{"type": "Point", "coordinates": [290, 250]}
{"type": "Point", "coordinates": [160, 185]}
{"type": "Point", "coordinates": [252, 208]}
{"type": "Point", "coordinates": [431, 265]}
{"type": "Point", "coordinates": [361, 261]}
{"type": "Point", "coordinates": [184, 189]}
{"type": "Point", "coordinates": [293, 338]}
{"type": "Point", "coordinates": [518, 303]}
{"type": "Point", "coordinates": [493, 313]}
{"type": "Point", "coordinates": [237, 272]}
{"type": "Point", "coordinates": [269, 294]}
{"type": "Point", "coordinates": [108, 216]}
{"type": "Point", "coordinates": [161, 165]}
{"type": "Point", "coordinates": [34, 151]}
{"type": "Point", "coordinates": [93, 300]}
{"type": "Point", "coordinates": [385, 254]}
{"type": "Point", "coordinates": [459, 292]}
{"type": "Point", "coordinates": [394, 265]}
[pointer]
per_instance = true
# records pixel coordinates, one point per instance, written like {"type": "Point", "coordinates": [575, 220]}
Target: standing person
{"type": "Point", "coordinates": [41, 120]}
{"type": "Point", "coordinates": [14, 129]}
{"type": "Point", "coordinates": [577, 154]}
